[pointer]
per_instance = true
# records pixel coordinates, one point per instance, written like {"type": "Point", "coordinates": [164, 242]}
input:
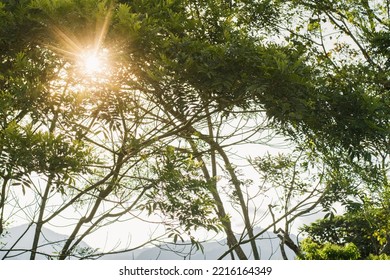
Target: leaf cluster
{"type": "Point", "coordinates": [328, 251]}
{"type": "Point", "coordinates": [181, 194]}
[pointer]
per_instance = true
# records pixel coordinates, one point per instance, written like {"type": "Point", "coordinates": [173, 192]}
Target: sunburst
{"type": "Point", "coordinates": [94, 62]}
{"type": "Point", "coordinates": [90, 57]}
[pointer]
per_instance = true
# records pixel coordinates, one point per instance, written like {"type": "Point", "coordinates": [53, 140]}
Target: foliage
{"type": "Point", "coordinates": [348, 108]}
{"type": "Point", "coordinates": [94, 140]}
{"type": "Point", "coordinates": [156, 133]}
{"type": "Point", "coordinates": [216, 62]}
{"type": "Point", "coordinates": [181, 194]}
{"type": "Point", "coordinates": [365, 224]}
{"type": "Point", "coordinates": [314, 251]}
{"type": "Point", "coordinates": [340, 230]}
{"type": "Point", "coordinates": [380, 257]}
{"type": "Point", "coordinates": [349, 127]}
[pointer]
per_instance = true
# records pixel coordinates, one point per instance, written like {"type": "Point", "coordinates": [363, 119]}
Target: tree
{"type": "Point", "coordinates": [126, 109]}
{"type": "Point", "coordinates": [341, 110]}
{"type": "Point", "coordinates": [84, 143]}
{"type": "Point", "coordinates": [99, 140]}
{"type": "Point", "coordinates": [352, 99]}
{"type": "Point", "coordinates": [364, 224]}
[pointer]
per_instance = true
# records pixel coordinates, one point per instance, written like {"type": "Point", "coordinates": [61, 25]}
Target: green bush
{"type": "Point", "coordinates": [328, 251]}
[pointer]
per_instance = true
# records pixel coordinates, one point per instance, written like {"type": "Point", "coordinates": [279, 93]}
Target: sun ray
{"type": "Point", "coordinates": [89, 56]}
{"type": "Point", "coordinates": [102, 30]}
{"type": "Point", "coordinates": [70, 45]}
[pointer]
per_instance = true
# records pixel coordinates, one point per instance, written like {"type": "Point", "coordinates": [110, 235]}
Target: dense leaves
{"type": "Point", "coordinates": [328, 251]}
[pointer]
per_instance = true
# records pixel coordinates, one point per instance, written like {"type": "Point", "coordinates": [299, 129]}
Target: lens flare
{"type": "Point", "coordinates": [85, 51]}
{"type": "Point", "coordinates": [93, 62]}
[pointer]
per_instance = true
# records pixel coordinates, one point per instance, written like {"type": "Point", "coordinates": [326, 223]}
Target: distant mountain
{"type": "Point", "coordinates": [51, 242]}
{"type": "Point", "coordinates": [268, 246]}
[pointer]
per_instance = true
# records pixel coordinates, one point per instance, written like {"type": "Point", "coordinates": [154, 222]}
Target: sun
{"type": "Point", "coordinates": [86, 52]}
{"type": "Point", "coordinates": [92, 62]}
